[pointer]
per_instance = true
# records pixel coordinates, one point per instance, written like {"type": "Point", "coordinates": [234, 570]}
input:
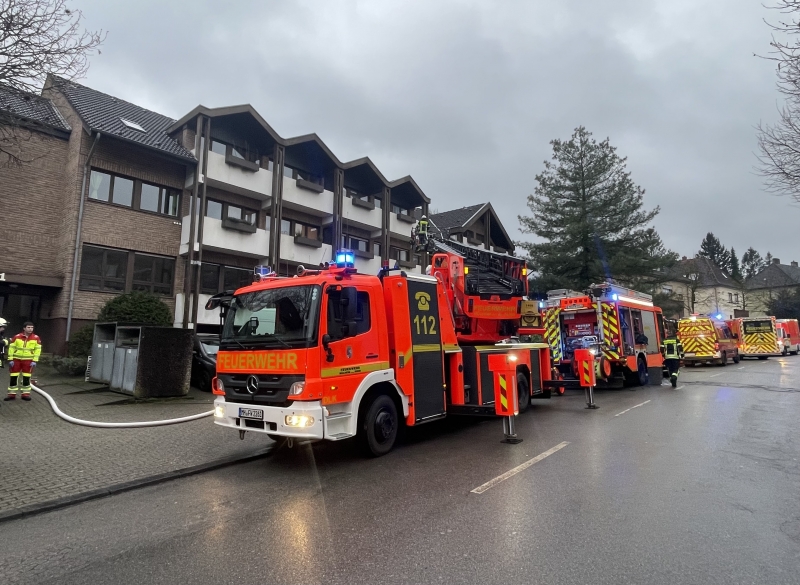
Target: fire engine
{"type": "Point", "coordinates": [622, 325]}
{"type": "Point", "coordinates": [333, 354]}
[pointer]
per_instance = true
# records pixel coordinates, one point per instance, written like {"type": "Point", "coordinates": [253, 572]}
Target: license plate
{"type": "Point", "coordinates": [253, 413]}
{"type": "Point", "coordinates": [689, 354]}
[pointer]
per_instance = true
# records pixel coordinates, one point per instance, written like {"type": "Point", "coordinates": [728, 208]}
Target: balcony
{"type": "Point", "coordinates": [203, 317]}
{"type": "Point", "coordinates": [306, 197]}
{"type": "Point", "coordinates": [253, 243]}
{"type": "Point", "coordinates": [256, 184]}
{"type": "Point", "coordinates": [362, 214]}
{"type": "Point", "coordinates": [401, 224]}
{"type": "Point", "coordinates": [300, 252]}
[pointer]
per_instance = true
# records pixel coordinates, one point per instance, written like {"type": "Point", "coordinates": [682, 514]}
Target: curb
{"type": "Point", "coordinates": [50, 505]}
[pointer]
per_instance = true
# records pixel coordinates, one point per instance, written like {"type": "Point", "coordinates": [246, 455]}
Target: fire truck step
{"type": "Point", "coordinates": [339, 415]}
{"type": "Point", "coordinates": [339, 436]}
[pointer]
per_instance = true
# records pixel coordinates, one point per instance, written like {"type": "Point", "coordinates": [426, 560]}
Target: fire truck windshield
{"type": "Point", "coordinates": [280, 317]}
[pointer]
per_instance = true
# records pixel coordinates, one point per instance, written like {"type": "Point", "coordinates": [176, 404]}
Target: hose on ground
{"type": "Point", "coordinates": [117, 425]}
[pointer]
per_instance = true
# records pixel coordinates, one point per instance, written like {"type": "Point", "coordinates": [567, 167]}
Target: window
{"type": "Point", "coordinates": [397, 209]}
{"type": "Point", "coordinates": [336, 317]}
{"type": "Point", "coordinates": [209, 279]}
{"type": "Point", "coordinates": [378, 202]}
{"type": "Point", "coordinates": [357, 244]}
{"type": "Point", "coordinates": [399, 254]}
{"type": "Point", "coordinates": [235, 278]}
{"type": "Point", "coordinates": [306, 231]}
{"type": "Point", "coordinates": [153, 274]}
{"type": "Point", "coordinates": [132, 125]}
{"type": "Point", "coordinates": [376, 248]}
{"type": "Point", "coordinates": [241, 214]}
{"type": "Point", "coordinates": [736, 298]}
{"type": "Point", "coordinates": [286, 226]}
{"type": "Point", "coordinates": [213, 209]}
{"type": "Point", "coordinates": [666, 289]}
{"type": "Point", "coordinates": [730, 297]}
{"type": "Point", "coordinates": [218, 147]}
{"type": "Point", "coordinates": [103, 269]}
{"type": "Point", "coordinates": [133, 193]}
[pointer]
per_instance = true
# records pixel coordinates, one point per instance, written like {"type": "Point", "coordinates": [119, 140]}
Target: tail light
{"type": "Point", "coordinates": [217, 387]}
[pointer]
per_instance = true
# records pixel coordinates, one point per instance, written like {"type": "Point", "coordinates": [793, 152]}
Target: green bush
{"type": "Point", "coordinates": [80, 342]}
{"type": "Point", "coordinates": [136, 308]}
{"type": "Point", "coordinates": [71, 366]}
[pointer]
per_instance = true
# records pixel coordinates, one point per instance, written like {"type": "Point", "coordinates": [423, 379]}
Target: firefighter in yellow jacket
{"type": "Point", "coordinates": [23, 353]}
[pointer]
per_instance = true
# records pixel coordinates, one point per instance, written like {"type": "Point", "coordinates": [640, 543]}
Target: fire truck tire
{"type": "Point", "coordinates": [736, 358]}
{"type": "Point", "coordinates": [378, 430]}
{"type": "Point", "coordinates": [641, 372]}
{"type": "Point", "coordinates": [523, 392]}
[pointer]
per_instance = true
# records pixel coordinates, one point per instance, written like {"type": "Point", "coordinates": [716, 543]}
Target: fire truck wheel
{"type": "Point", "coordinates": [378, 430]}
{"type": "Point", "coordinates": [523, 392]}
{"type": "Point", "coordinates": [736, 358]}
{"type": "Point", "coordinates": [641, 372]}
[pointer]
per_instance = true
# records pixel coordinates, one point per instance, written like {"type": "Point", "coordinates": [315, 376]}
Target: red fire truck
{"type": "Point", "coordinates": [622, 325]}
{"type": "Point", "coordinates": [333, 354]}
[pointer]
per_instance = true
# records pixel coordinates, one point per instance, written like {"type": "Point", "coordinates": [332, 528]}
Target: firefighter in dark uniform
{"type": "Point", "coordinates": [673, 354]}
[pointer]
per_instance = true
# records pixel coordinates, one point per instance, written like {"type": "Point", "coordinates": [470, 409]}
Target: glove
{"type": "Point", "coordinates": [10, 363]}
{"type": "Point", "coordinates": [33, 364]}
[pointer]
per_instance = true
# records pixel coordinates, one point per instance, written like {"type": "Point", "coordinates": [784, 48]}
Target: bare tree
{"type": "Point", "coordinates": [37, 37]}
{"type": "Point", "coordinates": [779, 144]}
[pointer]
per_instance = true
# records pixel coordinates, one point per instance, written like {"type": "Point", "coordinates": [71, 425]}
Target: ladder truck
{"type": "Point", "coordinates": [332, 354]}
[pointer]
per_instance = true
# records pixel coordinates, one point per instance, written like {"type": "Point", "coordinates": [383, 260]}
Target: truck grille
{"type": "Point", "coordinates": [273, 389]}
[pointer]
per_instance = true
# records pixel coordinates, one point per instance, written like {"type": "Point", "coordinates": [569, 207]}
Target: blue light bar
{"type": "Point", "coordinates": [262, 271]}
{"type": "Point", "coordinates": [614, 297]}
{"type": "Point", "coordinates": [345, 258]}
{"type": "Point", "coordinates": [719, 316]}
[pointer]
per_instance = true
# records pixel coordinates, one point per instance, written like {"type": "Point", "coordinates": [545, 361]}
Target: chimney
{"type": "Point", "coordinates": [794, 263]}
{"type": "Point", "coordinates": [684, 258]}
{"type": "Point", "coordinates": [776, 261]}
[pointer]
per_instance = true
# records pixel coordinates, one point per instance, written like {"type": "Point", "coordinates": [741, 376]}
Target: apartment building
{"type": "Point", "coordinates": [770, 281]}
{"type": "Point", "coordinates": [98, 195]}
{"type": "Point", "coordinates": [703, 288]}
{"type": "Point", "coordinates": [477, 225]}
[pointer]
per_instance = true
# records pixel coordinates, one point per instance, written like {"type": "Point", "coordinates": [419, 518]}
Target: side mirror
{"type": "Point", "coordinates": [253, 325]}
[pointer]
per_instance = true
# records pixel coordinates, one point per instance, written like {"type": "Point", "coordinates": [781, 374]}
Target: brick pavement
{"type": "Point", "coordinates": [43, 458]}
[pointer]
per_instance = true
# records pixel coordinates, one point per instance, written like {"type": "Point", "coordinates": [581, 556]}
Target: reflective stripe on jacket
{"type": "Point", "coordinates": [672, 349]}
{"type": "Point", "coordinates": [25, 348]}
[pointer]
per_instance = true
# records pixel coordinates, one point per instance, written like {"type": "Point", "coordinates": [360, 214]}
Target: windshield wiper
{"type": "Point", "coordinates": [278, 339]}
{"type": "Point", "coordinates": [236, 341]}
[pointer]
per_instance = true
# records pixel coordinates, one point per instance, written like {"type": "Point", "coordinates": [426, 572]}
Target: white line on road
{"type": "Point", "coordinates": [740, 368]}
{"type": "Point", "coordinates": [638, 405]}
{"type": "Point", "coordinates": [512, 472]}
{"type": "Point", "coordinates": [714, 375]}
{"type": "Point", "coordinates": [680, 387]}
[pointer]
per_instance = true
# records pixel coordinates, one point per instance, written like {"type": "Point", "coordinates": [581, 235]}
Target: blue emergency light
{"type": "Point", "coordinates": [345, 258]}
{"type": "Point", "coordinates": [719, 316]}
{"type": "Point", "coordinates": [541, 304]}
{"type": "Point", "coordinates": [614, 297]}
{"type": "Point", "coordinates": [261, 271]}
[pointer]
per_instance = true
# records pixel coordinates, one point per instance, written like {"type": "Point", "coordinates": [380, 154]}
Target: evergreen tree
{"type": "Point", "coordinates": [752, 263]}
{"type": "Point", "coordinates": [713, 249]}
{"type": "Point", "coordinates": [733, 266]}
{"type": "Point", "coordinates": [590, 216]}
{"type": "Point", "coordinates": [768, 259]}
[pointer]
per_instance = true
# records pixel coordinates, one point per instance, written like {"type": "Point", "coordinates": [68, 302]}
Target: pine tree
{"type": "Point", "coordinates": [713, 249]}
{"type": "Point", "coordinates": [768, 259]}
{"type": "Point", "coordinates": [752, 263]}
{"type": "Point", "coordinates": [590, 215]}
{"type": "Point", "coordinates": [733, 266]}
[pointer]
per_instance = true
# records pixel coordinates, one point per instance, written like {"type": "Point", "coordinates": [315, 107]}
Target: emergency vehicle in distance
{"type": "Point", "coordinates": [788, 335]}
{"type": "Point", "coordinates": [707, 340]}
{"type": "Point", "coordinates": [757, 336]}
{"type": "Point", "coordinates": [624, 325]}
{"type": "Point", "coordinates": [333, 354]}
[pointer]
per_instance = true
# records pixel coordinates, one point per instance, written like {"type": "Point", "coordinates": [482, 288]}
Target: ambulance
{"type": "Point", "coordinates": [707, 340]}
{"type": "Point", "coordinates": [788, 335]}
{"type": "Point", "coordinates": [757, 336]}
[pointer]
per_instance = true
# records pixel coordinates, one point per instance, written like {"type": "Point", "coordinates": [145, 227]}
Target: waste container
{"type": "Point", "coordinates": [143, 361]}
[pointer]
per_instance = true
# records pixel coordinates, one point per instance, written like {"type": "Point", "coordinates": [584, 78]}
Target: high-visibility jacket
{"type": "Point", "coordinates": [423, 227]}
{"type": "Point", "coordinates": [673, 349]}
{"type": "Point", "coordinates": [23, 347]}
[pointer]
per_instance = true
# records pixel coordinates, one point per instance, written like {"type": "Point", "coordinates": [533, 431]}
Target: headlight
{"type": "Point", "coordinates": [219, 411]}
{"type": "Point", "coordinates": [296, 388]}
{"type": "Point", "coordinates": [299, 420]}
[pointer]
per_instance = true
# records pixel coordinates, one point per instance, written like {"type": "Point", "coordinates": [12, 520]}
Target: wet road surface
{"type": "Point", "coordinates": [694, 485]}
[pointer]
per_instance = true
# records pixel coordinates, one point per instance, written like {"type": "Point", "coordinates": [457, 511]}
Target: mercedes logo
{"type": "Point", "coordinates": [252, 384]}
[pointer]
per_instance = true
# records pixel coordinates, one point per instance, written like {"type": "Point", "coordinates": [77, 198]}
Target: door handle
{"type": "Point", "coordinates": [372, 356]}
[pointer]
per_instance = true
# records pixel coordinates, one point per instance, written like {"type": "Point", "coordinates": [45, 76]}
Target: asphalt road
{"type": "Point", "coordinates": [695, 485]}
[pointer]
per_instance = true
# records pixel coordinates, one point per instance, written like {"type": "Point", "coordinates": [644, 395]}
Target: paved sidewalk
{"type": "Point", "coordinates": [43, 458]}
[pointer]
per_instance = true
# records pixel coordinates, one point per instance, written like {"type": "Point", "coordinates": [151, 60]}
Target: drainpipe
{"type": "Point", "coordinates": [78, 236]}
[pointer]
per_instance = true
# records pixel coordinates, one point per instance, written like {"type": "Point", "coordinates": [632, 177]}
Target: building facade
{"type": "Point", "coordinates": [103, 194]}
{"type": "Point", "coordinates": [477, 225]}
{"type": "Point", "coordinates": [704, 289]}
{"type": "Point", "coordinates": [769, 282]}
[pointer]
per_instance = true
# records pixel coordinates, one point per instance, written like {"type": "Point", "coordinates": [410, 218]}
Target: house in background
{"type": "Point", "coordinates": [703, 288]}
{"type": "Point", "coordinates": [477, 225]}
{"type": "Point", "coordinates": [769, 282]}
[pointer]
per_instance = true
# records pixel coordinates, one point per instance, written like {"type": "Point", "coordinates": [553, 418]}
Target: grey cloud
{"type": "Point", "coordinates": [465, 96]}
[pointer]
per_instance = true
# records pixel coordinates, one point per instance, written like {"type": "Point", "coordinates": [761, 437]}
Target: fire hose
{"type": "Point", "coordinates": [117, 425]}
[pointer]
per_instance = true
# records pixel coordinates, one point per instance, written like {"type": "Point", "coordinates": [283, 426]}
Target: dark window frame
{"type": "Point", "coordinates": [126, 280]}
{"type": "Point", "coordinates": [226, 206]}
{"type": "Point", "coordinates": [164, 194]}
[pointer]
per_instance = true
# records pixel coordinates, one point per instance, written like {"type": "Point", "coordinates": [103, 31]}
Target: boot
{"type": "Point", "coordinates": [674, 380]}
{"type": "Point", "coordinates": [26, 396]}
{"type": "Point", "coordinates": [10, 397]}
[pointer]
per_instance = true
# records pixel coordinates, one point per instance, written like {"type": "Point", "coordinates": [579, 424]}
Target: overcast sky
{"type": "Point", "coordinates": [466, 95]}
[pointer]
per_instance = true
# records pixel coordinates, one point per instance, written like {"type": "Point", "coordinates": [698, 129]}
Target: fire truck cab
{"type": "Point", "coordinates": [623, 325]}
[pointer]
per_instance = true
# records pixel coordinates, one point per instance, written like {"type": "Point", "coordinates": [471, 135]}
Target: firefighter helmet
{"type": "Point", "coordinates": [3, 322]}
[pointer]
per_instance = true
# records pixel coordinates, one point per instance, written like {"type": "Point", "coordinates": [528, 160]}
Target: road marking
{"type": "Point", "coordinates": [637, 406]}
{"type": "Point", "coordinates": [512, 472]}
{"type": "Point", "coordinates": [740, 368]}
{"type": "Point", "coordinates": [679, 387]}
{"type": "Point", "coordinates": [714, 375]}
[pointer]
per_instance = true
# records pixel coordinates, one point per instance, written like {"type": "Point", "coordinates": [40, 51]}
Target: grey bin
{"type": "Point", "coordinates": [143, 361]}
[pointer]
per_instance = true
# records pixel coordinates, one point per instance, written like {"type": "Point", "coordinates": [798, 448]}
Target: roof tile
{"type": "Point", "coordinates": [31, 107]}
